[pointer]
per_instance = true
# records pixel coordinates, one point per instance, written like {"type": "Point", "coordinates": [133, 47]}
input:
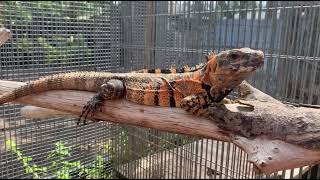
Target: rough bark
{"type": "Point", "coordinates": [264, 115]}
{"type": "Point", "coordinates": [275, 136]}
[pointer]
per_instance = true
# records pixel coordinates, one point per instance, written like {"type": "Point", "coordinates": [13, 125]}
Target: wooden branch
{"type": "Point", "coordinates": [121, 111]}
{"type": "Point", "coordinates": [260, 114]}
{"type": "Point", "coordinates": [267, 153]}
{"type": "Point", "coordinates": [4, 35]}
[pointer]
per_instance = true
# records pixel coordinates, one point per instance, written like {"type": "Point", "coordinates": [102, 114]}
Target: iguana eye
{"type": "Point", "coordinates": [234, 56]}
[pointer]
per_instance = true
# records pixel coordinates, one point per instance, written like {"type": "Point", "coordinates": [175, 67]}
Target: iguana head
{"type": "Point", "coordinates": [229, 68]}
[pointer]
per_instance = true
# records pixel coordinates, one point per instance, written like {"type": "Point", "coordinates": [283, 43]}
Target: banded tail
{"type": "Point", "coordinates": [86, 81]}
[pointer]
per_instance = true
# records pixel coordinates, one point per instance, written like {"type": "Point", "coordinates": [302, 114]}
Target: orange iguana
{"type": "Point", "coordinates": [192, 91]}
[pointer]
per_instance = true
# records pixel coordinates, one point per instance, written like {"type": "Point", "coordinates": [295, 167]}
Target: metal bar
{"type": "Point", "coordinates": [318, 172]}
{"type": "Point", "coordinates": [227, 160]}
{"type": "Point", "coordinates": [245, 24]}
{"type": "Point", "coordinates": [196, 159]}
{"type": "Point", "coordinates": [297, 52]}
{"type": "Point", "coordinates": [309, 172]}
{"type": "Point", "coordinates": [233, 162]}
{"type": "Point", "coordinates": [253, 13]}
{"type": "Point", "coordinates": [226, 29]}
{"type": "Point", "coordinates": [232, 26]}
{"type": "Point", "coordinates": [216, 160]}
{"type": "Point", "coordinates": [206, 159]}
{"type": "Point", "coordinates": [307, 51]}
{"type": "Point", "coordinates": [282, 69]}
{"type": "Point", "coordinates": [300, 172]}
{"type": "Point", "coordinates": [221, 159]}
{"type": "Point", "coordinates": [288, 68]}
{"type": "Point", "coordinates": [220, 29]}
{"type": "Point", "coordinates": [315, 66]}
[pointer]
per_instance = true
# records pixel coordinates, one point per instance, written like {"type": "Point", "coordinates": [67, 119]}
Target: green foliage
{"type": "Point", "coordinates": [95, 172]}
{"type": "Point", "coordinates": [34, 169]}
{"type": "Point", "coordinates": [35, 28]}
{"type": "Point", "coordinates": [60, 167]}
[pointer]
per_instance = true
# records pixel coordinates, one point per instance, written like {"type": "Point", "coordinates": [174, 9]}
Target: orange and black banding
{"type": "Point", "coordinates": [156, 95]}
{"type": "Point", "coordinates": [172, 70]}
{"type": "Point", "coordinates": [171, 94]}
{"type": "Point", "coordinates": [207, 88]}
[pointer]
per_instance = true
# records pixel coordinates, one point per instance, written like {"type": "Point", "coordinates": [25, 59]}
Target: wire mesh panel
{"type": "Point", "coordinates": [182, 32]}
{"type": "Point", "coordinates": [51, 37]}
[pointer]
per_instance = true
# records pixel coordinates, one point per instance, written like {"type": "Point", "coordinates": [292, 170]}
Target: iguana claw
{"type": "Point", "coordinates": [96, 102]}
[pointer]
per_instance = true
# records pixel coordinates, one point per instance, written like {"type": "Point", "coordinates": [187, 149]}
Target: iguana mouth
{"type": "Point", "coordinates": [257, 59]}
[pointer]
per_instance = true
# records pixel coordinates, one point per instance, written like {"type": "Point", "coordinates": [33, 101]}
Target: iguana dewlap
{"type": "Point", "coordinates": [190, 90]}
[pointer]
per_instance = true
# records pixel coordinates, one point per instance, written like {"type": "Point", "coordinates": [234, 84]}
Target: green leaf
{"type": "Point", "coordinates": [29, 158]}
{"type": "Point", "coordinates": [11, 144]}
{"type": "Point", "coordinates": [25, 160]}
{"type": "Point", "coordinates": [19, 153]}
{"type": "Point", "coordinates": [28, 170]}
{"type": "Point", "coordinates": [78, 164]}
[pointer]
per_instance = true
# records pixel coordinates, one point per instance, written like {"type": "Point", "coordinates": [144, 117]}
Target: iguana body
{"type": "Point", "coordinates": [191, 90]}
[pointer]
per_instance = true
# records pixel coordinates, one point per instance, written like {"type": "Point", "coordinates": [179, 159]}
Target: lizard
{"type": "Point", "coordinates": [186, 69]}
{"type": "Point", "coordinates": [192, 91]}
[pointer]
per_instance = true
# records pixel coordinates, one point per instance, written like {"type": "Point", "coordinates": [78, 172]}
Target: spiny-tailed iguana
{"type": "Point", "coordinates": [192, 91]}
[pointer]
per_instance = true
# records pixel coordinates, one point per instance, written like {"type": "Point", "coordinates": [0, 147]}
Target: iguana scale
{"type": "Point", "coordinates": [192, 91]}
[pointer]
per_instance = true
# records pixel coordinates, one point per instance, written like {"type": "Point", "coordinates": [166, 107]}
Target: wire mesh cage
{"type": "Point", "coordinates": [120, 36]}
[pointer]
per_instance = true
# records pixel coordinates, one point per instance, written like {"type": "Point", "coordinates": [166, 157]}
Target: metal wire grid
{"type": "Point", "coordinates": [54, 37]}
{"type": "Point", "coordinates": [190, 159]}
{"type": "Point", "coordinates": [185, 30]}
{"type": "Point", "coordinates": [182, 36]}
{"type": "Point", "coordinates": [170, 160]}
{"type": "Point", "coordinates": [287, 32]}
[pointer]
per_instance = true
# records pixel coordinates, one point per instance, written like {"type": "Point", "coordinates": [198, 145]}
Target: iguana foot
{"type": "Point", "coordinates": [96, 102]}
{"type": "Point", "coordinates": [196, 104]}
{"type": "Point", "coordinates": [112, 89]}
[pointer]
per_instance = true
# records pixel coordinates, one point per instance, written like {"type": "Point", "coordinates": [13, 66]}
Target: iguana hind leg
{"type": "Point", "coordinates": [111, 89]}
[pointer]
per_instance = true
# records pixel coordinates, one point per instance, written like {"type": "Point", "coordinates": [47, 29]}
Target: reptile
{"type": "Point", "coordinates": [192, 91]}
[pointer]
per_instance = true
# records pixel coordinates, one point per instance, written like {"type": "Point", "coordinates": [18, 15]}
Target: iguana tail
{"type": "Point", "coordinates": [86, 81]}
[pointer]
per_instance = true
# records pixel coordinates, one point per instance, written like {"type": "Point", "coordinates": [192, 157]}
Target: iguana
{"type": "Point", "coordinates": [192, 91]}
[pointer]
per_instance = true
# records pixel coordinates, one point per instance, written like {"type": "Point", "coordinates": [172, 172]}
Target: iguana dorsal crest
{"type": "Point", "coordinates": [210, 68]}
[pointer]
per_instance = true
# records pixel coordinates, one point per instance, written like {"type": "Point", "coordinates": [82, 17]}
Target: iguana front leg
{"type": "Point", "coordinates": [196, 104]}
{"type": "Point", "coordinates": [111, 89]}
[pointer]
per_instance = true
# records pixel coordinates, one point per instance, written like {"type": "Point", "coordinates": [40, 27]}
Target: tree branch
{"type": "Point", "coordinates": [266, 148]}
{"type": "Point", "coordinates": [4, 35]}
